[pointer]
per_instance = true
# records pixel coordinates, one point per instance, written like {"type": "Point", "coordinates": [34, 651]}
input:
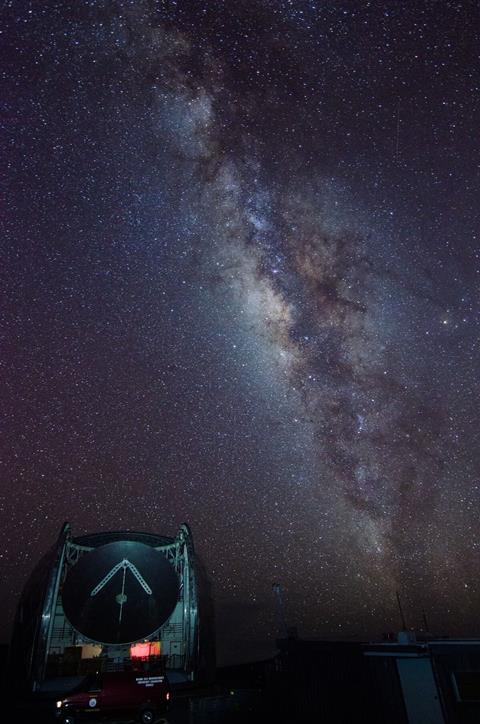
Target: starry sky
{"type": "Point", "coordinates": [240, 287]}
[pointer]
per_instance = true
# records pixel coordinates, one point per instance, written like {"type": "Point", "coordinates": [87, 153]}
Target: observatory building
{"type": "Point", "coordinates": [112, 602]}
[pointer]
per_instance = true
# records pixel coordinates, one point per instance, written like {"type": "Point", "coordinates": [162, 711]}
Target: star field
{"type": "Point", "coordinates": [240, 287]}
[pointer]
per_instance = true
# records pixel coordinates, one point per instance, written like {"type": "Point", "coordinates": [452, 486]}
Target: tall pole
{"type": "Point", "coordinates": [425, 622]}
{"type": "Point", "coordinates": [404, 625]}
{"type": "Point", "coordinates": [277, 589]}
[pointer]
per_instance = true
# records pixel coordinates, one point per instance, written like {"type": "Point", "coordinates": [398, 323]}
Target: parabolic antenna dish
{"type": "Point", "coordinates": [120, 592]}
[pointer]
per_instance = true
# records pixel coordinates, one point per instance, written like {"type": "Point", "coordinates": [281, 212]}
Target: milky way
{"type": "Point", "coordinates": [241, 290]}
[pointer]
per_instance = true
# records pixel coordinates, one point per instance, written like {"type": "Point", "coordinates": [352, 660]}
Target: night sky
{"type": "Point", "coordinates": [240, 287]}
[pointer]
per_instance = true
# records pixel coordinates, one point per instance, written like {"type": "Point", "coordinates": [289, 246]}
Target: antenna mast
{"type": "Point", "coordinates": [282, 625]}
{"type": "Point", "coordinates": [425, 621]}
{"type": "Point", "coordinates": [404, 625]}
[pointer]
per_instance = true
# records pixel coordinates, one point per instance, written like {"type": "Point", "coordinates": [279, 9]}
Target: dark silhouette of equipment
{"type": "Point", "coordinates": [120, 592]}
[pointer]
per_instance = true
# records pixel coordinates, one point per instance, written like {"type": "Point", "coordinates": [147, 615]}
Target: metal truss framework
{"type": "Point", "coordinates": [180, 552]}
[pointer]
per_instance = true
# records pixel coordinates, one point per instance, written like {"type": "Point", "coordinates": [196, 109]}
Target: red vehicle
{"type": "Point", "coordinates": [134, 694]}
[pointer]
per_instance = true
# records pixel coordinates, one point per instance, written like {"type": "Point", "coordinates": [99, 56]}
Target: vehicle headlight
{"type": "Point", "coordinates": [59, 704]}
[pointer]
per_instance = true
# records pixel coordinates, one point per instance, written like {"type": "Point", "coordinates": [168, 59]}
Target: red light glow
{"type": "Point", "coordinates": [145, 649]}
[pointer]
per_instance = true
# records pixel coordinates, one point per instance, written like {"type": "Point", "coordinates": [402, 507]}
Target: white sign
{"type": "Point", "coordinates": [149, 680]}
